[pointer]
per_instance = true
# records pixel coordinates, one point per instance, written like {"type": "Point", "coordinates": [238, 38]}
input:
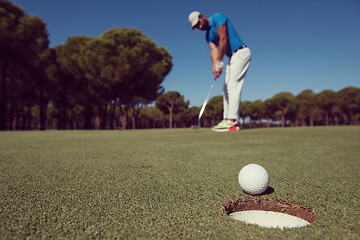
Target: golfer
{"type": "Point", "coordinates": [223, 39]}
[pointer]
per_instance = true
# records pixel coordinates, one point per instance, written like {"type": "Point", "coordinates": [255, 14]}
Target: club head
{"type": "Point", "coordinates": [195, 126]}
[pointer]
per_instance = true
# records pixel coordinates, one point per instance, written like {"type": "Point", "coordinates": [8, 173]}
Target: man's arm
{"type": "Point", "coordinates": [223, 41]}
{"type": "Point", "coordinates": [217, 54]}
{"type": "Point", "coordinates": [214, 54]}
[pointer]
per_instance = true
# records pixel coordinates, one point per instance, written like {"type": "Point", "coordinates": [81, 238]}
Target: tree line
{"type": "Point", "coordinates": [113, 81]}
{"type": "Point", "coordinates": [305, 109]}
{"type": "Point", "coordinates": [284, 109]}
{"type": "Point", "coordinates": [86, 83]}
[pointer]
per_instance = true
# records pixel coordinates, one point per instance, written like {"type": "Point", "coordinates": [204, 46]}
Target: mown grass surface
{"type": "Point", "coordinates": [172, 183]}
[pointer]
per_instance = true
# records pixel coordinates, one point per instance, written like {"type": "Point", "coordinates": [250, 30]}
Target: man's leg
{"type": "Point", "coordinates": [234, 80]}
{"type": "Point", "coordinates": [238, 67]}
{"type": "Point", "coordinates": [223, 123]}
{"type": "Point", "coordinates": [226, 94]}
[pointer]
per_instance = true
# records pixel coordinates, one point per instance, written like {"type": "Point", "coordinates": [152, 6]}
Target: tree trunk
{"type": "Point", "coordinates": [112, 114]}
{"type": "Point", "coordinates": [351, 122]}
{"type": "Point", "coordinates": [88, 108]}
{"type": "Point", "coordinates": [282, 120]}
{"type": "Point", "coordinates": [260, 122]}
{"type": "Point", "coordinates": [63, 111]}
{"type": "Point", "coordinates": [12, 116]}
{"type": "Point", "coordinates": [327, 122]}
{"type": "Point", "coordinates": [336, 120]}
{"type": "Point", "coordinates": [23, 117]}
{"type": "Point", "coordinates": [135, 115]}
{"type": "Point", "coordinates": [43, 109]}
{"type": "Point", "coordinates": [3, 98]}
{"type": "Point", "coordinates": [29, 117]}
{"type": "Point", "coordinates": [311, 121]}
{"type": "Point", "coordinates": [123, 117]}
{"type": "Point", "coordinates": [171, 115]}
{"type": "Point", "coordinates": [133, 122]}
{"type": "Point", "coordinates": [104, 115]}
{"type": "Point", "coordinates": [123, 120]}
{"type": "Point", "coordinates": [243, 122]}
{"type": "Point", "coordinates": [302, 119]}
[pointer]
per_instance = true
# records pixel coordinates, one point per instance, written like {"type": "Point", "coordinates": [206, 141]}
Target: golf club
{"type": "Point", "coordinates": [204, 105]}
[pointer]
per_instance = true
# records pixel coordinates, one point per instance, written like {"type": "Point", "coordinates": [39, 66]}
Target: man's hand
{"type": "Point", "coordinates": [219, 65]}
{"type": "Point", "coordinates": [217, 73]}
{"type": "Point", "coordinates": [214, 58]}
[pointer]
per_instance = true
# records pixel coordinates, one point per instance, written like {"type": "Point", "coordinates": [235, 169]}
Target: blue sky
{"type": "Point", "coordinates": [295, 44]}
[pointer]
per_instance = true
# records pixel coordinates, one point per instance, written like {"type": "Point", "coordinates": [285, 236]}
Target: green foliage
{"type": "Point", "coordinates": [215, 108]}
{"type": "Point", "coordinates": [246, 109]}
{"type": "Point", "coordinates": [283, 105]}
{"type": "Point", "coordinates": [350, 102]}
{"type": "Point", "coordinates": [305, 100]}
{"type": "Point", "coordinates": [216, 105]}
{"type": "Point", "coordinates": [258, 110]}
{"type": "Point", "coordinates": [10, 16]}
{"type": "Point", "coordinates": [121, 65]}
{"type": "Point", "coordinates": [171, 103]}
{"type": "Point", "coordinates": [121, 68]}
{"type": "Point", "coordinates": [151, 116]}
{"type": "Point", "coordinates": [326, 100]}
{"type": "Point", "coordinates": [142, 65]}
{"type": "Point", "coordinates": [24, 58]}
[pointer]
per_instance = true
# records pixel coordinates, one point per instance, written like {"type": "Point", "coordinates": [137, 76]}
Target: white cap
{"type": "Point", "coordinates": [194, 18]}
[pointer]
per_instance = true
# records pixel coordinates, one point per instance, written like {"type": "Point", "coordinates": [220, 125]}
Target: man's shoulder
{"type": "Point", "coordinates": [219, 19]}
{"type": "Point", "coordinates": [218, 15]}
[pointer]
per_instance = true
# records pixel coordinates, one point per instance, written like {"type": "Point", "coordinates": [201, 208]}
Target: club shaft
{"type": "Point", "coordinates": [206, 100]}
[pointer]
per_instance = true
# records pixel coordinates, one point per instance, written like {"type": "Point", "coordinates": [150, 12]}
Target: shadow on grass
{"type": "Point", "coordinates": [268, 191]}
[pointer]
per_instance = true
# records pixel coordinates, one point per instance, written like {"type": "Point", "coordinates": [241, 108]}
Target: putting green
{"type": "Point", "coordinates": [173, 183]}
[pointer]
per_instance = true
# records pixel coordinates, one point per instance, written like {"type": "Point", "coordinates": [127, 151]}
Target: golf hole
{"type": "Point", "coordinates": [270, 213]}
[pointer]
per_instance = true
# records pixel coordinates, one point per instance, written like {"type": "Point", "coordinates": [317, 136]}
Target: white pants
{"type": "Point", "coordinates": [234, 79]}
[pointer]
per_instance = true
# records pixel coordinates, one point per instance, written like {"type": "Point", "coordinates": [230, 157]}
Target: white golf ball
{"type": "Point", "coordinates": [254, 179]}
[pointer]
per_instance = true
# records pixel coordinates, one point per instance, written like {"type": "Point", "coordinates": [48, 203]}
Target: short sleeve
{"type": "Point", "coordinates": [219, 19]}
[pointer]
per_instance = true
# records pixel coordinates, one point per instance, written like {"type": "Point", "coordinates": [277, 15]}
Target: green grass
{"type": "Point", "coordinates": [172, 183]}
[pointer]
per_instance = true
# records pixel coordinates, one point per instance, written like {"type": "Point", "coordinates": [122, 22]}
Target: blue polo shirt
{"type": "Point", "coordinates": [217, 20]}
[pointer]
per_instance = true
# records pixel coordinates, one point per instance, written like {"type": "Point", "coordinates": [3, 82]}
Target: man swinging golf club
{"type": "Point", "coordinates": [223, 39]}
